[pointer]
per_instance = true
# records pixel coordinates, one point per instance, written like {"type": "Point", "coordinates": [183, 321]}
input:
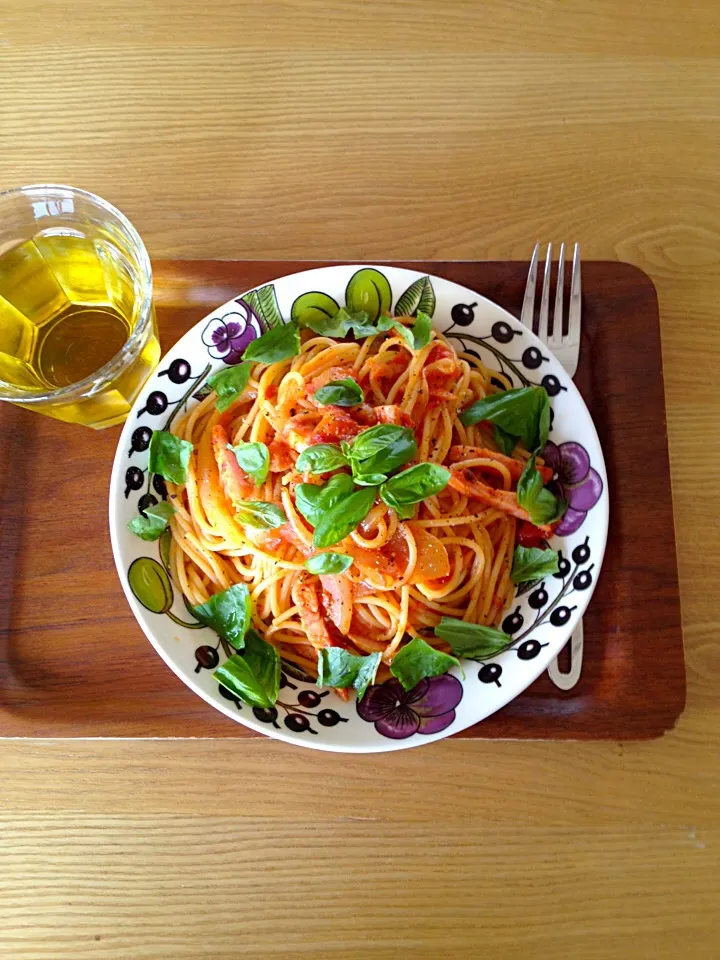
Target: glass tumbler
{"type": "Point", "coordinates": [78, 337]}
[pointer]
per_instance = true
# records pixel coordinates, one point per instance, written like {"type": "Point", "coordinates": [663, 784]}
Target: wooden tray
{"type": "Point", "coordinates": [74, 662]}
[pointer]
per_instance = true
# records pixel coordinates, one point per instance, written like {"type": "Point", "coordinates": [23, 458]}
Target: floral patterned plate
{"type": "Point", "coordinates": [540, 619]}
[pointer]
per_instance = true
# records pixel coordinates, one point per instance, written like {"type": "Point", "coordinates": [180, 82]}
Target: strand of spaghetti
{"type": "Point", "coordinates": [299, 528]}
{"type": "Point", "coordinates": [378, 624]}
{"type": "Point", "coordinates": [401, 627]}
{"type": "Point", "coordinates": [205, 559]}
{"type": "Point", "coordinates": [366, 644]}
{"type": "Point", "coordinates": [363, 352]}
{"type": "Point", "coordinates": [453, 521]}
{"type": "Point", "coordinates": [499, 567]}
{"type": "Point", "coordinates": [494, 465]}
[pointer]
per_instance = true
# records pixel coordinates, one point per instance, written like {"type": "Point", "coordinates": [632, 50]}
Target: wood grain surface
{"type": "Point", "coordinates": [408, 129]}
{"type": "Point", "coordinates": [633, 679]}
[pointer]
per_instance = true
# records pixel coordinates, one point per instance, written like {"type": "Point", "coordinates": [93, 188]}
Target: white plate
{"type": "Point", "coordinates": [540, 621]}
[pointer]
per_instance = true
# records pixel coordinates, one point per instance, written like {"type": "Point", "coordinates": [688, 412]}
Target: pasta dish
{"type": "Point", "coordinates": [351, 489]}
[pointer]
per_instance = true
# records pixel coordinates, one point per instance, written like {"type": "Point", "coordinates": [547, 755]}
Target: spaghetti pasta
{"type": "Point", "coordinates": [451, 557]}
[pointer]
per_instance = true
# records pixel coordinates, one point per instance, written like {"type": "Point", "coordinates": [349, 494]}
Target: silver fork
{"type": "Point", "coordinates": [566, 347]}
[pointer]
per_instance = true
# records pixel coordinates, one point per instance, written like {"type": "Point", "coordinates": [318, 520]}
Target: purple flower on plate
{"type": "Point", "coordinates": [227, 337]}
{"type": "Point", "coordinates": [397, 713]}
{"type": "Point", "coordinates": [575, 481]}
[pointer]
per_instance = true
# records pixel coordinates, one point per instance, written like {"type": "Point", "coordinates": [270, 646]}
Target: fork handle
{"type": "Point", "coordinates": [561, 679]}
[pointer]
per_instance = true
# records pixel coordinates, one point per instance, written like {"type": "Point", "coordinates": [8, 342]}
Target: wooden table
{"type": "Point", "coordinates": [413, 129]}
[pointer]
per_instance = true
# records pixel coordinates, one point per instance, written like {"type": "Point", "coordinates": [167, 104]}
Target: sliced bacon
{"type": "Point", "coordinates": [459, 453]}
{"type": "Point", "coordinates": [237, 485]}
{"type": "Point", "coordinates": [281, 456]}
{"type": "Point", "coordinates": [298, 430]}
{"type": "Point", "coordinates": [506, 500]}
{"type": "Point", "coordinates": [306, 598]}
{"type": "Point", "coordinates": [337, 599]}
{"type": "Point", "coordinates": [337, 424]}
{"type": "Point", "coordinates": [432, 557]}
{"type": "Point", "coordinates": [391, 413]}
{"type": "Point", "coordinates": [327, 376]}
{"type": "Point", "coordinates": [441, 373]}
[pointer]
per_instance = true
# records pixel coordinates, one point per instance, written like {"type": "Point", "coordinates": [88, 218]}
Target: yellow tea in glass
{"type": "Point", "coordinates": [78, 337]}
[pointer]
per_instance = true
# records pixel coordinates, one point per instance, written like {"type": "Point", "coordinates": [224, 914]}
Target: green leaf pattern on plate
{"type": "Point", "coordinates": [264, 303]}
{"type": "Point", "coordinates": [311, 306]}
{"type": "Point", "coordinates": [150, 584]}
{"type": "Point", "coordinates": [418, 296]}
{"type": "Point", "coordinates": [370, 291]}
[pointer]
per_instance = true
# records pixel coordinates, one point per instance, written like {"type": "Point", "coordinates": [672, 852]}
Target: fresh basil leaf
{"type": "Point", "coordinates": [404, 511]}
{"type": "Point", "coordinates": [228, 613]}
{"type": "Point", "coordinates": [540, 503]}
{"type": "Point", "coordinates": [417, 336]}
{"type": "Point", "coordinates": [414, 485]}
{"type": "Point", "coordinates": [280, 343]}
{"type": "Point", "coordinates": [529, 485]}
{"type": "Point", "coordinates": [389, 323]}
{"type": "Point", "coordinates": [471, 640]}
{"type": "Point", "coordinates": [362, 326]}
{"type": "Point", "coordinates": [369, 479]}
{"type": "Point", "coordinates": [338, 667]}
{"type": "Point", "coordinates": [258, 513]}
{"type": "Point", "coordinates": [228, 384]}
{"type": "Point", "coordinates": [254, 458]}
{"type": "Point", "coordinates": [422, 330]}
{"type": "Point", "coordinates": [321, 458]}
{"type": "Point", "coordinates": [154, 523]}
{"type": "Point", "coordinates": [524, 413]}
{"type": "Point", "coordinates": [169, 456]}
{"type": "Point", "coordinates": [312, 501]}
{"type": "Point", "coordinates": [340, 393]}
{"type": "Point", "coordinates": [533, 563]}
{"type": "Point", "coordinates": [254, 675]}
{"type": "Point", "coordinates": [335, 524]}
{"type": "Point", "coordinates": [417, 660]}
{"type": "Point", "coordinates": [547, 508]}
{"type": "Point", "coordinates": [341, 324]}
{"type": "Point", "coordinates": [381, 449]}
{"type": "Point", "coordinates": [330, 563]}
{"type": "Point", "coordinates": [506, 441]}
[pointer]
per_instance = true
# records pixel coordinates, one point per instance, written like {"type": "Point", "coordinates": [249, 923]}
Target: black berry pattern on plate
{"type": "Point", "coordinates": [179, 371]}
{"type": "Point", "coordinates": [552, 384]}
{"type": "Point", "coordinates": [299, 716]}
{"type": "Point", "coordinates": [134, 480]}
{"type": "Point", "coordinates": [529, 649]}
{"type": "Point", "coordinates": [501, 332]}
{"type": "Point", "coordinates": [156, 403]}
{"type": "Point", "coordinates": [490, 673]}
{"type": "Point", "coordinates": [140, 440]}
{"type": "Point", "coordinates": [228, 695]}
{"type": "Point", "coordinates": [159, 485]}
{"type": "Point", "coordinates": [538, 598]}
{"type": "Point", "coordinates": [532, 358]}
{"type": "Point", "coordinates": [556, 612]}
{"type": "Point", "coordinates": [145, 501]}
{"type": "Point", "coordinates": [207, 658]}
{"type": "Point", "coordinates": [463, 314]}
